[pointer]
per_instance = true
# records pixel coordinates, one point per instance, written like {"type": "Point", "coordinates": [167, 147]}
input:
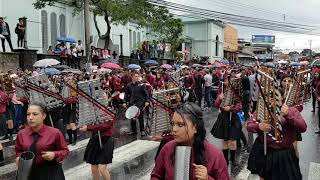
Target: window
{"type": "Point", "coordinates": [53, 21]}
{"type": "Point", "coordinates": [134, 40]}
{"type": "Point", "coordinates": [130, 40]}
{"type": "Point", "coordinates": [217, 45]}
{"type": "Point", "coordinates": [62, 20]}
{"type": "Point", "coordinates": [44, 27]}
{"type": "Point", "coordinates": [139, 37]}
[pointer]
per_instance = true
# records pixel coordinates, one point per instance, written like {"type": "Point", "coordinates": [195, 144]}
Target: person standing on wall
{"type": "Point", "coordinates": [5, 32]}
{"type": "Point", "coordinates": [20, 31]}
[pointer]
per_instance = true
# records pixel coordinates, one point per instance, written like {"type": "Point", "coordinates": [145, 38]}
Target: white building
{"type": "Point", "coordinates": [205, 38]}
{"type": "Point", "coordinates": [45, 25]}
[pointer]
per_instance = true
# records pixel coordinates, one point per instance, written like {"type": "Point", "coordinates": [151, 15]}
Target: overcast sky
{"type": "Point", "coordinates": [296, 11]}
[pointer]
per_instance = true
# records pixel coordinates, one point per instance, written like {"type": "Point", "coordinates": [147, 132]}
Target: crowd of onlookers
{"type": "Point", "coordinates": [147, 50]}
{"type": "Point", "coordinates": [69, 54]}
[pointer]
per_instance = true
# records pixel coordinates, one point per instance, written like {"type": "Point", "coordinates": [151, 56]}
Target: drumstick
{"type": "Point", "coordinates": [287, 98]}
{"type": "Point", "coordinates": [95, 113]}
{"type": "Point", "coordinates": [265, 143]}
{"type": "Point", "coordinates": [51, 121]}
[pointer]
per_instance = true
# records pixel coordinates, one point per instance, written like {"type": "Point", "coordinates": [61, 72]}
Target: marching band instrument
{"type": "Point", "coordinates": [182, 163]}
{"type": "Point", "coordinates": [299, 89]}
{"type": "Point", "coordinates": [25, 165]}
{"type": "Point", "coordinates": [268, 104]}
{"type": "Point", "coordinates": [162, 110]}
{"type": "Point", "coordinates": [132, 112]}
{"type": "Point", "coordinates": [91, 99]}
{"type": "Point", "coordinates": [92, 108]}
{"type": "Point", "coordinates": [231, 92]}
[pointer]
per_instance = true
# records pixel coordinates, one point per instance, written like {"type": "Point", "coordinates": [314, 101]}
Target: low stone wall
{"type": "Point", "coordinates": [8, 61]}
{"type": "Point", "coordinates": [25, 59]}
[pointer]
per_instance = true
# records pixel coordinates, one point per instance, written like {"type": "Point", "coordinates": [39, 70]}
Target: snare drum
{"type": "Point", "coordinates": [132, 112]}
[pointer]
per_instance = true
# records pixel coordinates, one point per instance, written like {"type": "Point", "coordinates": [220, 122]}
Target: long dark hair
{"type": "Point", "coordinates": [43, 109]}
{"type": "Point", "coordinates": [193, 113]}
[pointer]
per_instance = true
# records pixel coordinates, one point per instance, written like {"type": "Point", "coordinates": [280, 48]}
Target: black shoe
{"type": "Point", "coordinates": [143, 133]}
{"type": "Point", "coordinates": [132, 133]}
{"type": "Point", "coordinates": [317, 132]}
{"type": "Point", "coordinates": [1, 156]}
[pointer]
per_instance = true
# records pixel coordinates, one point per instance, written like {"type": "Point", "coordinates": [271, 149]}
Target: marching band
{"type": "Point", "coordinates": [92, 104]}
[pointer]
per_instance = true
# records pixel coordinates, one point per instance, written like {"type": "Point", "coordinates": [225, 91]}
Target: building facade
{"type": "Point", "coordinates": [230, 43]}
{"type": "Point", "coordinates": [45, 25]}
{"type": "Point", "coordinates": [205, 38]}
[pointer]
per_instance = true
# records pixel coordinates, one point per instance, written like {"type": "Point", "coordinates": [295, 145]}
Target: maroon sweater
{"type": "Point", "coordinates": [105, 128]}
{"type": "Point", "coordinates": [291, 124]}
{"type": "Point", "coordinates": [216, 164]}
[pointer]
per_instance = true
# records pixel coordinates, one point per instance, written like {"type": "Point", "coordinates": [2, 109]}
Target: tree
{"type": "Point", "coordinates": [166, 28]}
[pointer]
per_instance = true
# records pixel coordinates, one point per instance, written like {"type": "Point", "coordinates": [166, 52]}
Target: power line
{"type": "Point", "coordinates": [229, 15]}
{"type": "Point", "coordinates": [251, 8]}
{"type": "Point", "coordinates": [239, 20]}
{"type": "Point", "coordinates": [243, 7]}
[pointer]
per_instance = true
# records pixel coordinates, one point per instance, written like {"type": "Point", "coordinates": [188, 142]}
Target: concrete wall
{"type": "Point", "coordinates": [215, 30]}
{"type": "Point", "coordinates": [8, 61]}
{"type": "Point", "coordinates": [230, 38]}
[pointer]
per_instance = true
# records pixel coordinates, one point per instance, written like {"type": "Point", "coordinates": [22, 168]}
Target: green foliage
{"type": "Point", "coordinates": [166, 28]}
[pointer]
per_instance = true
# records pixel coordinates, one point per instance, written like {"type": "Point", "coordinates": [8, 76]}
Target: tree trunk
{"type": "Point", "coordinates": [96, 24]}
{"type": "Point", "coordinates": [107, 35]}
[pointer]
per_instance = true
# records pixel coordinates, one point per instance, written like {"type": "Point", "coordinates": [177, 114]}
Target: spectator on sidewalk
{"type": "Point", "coordinates": [50, 50]}
{"type": "Point", "coordinates": [79, 48]}
{"type": "Point", "coordinates": [208, 88]}
{"type": "Point", "coordinates": [18, 106]}
{"type": "Point", "coordinates": [5, 31]}
{"type": "Point", "coordinates": [3, 119]}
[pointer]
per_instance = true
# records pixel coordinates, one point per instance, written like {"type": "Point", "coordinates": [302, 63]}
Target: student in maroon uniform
{"type": "Point", "coordinates": [98, 156]}
{"type": "Point", "coordinates": [47, 143]}
{"type": "Point", "coordinates": [207, 161]}
{"type": "Point", "coordinates": [281, 161]}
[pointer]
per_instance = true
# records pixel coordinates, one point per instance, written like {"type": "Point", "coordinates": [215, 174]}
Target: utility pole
{"type": "Point", "coordinates": [310, 42]}
{"type": "Point", "coordinates": [87, 33]}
